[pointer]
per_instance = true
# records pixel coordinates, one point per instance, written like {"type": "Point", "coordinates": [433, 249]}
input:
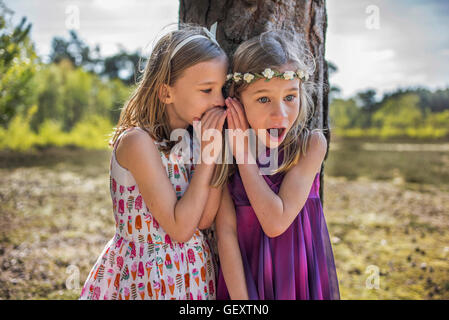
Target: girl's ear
{"type": "Point", "coordinates": [165, 94]}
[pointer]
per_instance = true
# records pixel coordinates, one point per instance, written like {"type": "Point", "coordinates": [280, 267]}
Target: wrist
{"type": "Point", "coordinates": [205, 171]}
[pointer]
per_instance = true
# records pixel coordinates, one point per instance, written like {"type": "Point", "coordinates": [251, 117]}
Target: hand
{"type": "Point", "coordinates": [212, 119]}
{"type": "Point", "coordinates": [239, 127]}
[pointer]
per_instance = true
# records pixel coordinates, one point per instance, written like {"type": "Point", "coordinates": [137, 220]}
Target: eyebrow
{"type": "Point", "coordinates": [206, 83]}
{"type": "Point", "coordinates": [266, 90]}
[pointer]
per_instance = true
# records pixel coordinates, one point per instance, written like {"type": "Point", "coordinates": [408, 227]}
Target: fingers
{"type": "Point", "coordinates": [222, 120]}
{"type": "Point", "coordinates": [239, 110]}
{"type": "Point", "coordinates": [219, 119]}
{"type": "Point", "coordinates": [215, 120]}
{"type": "Point", "coordinates": [234, 116]}
{"type": "Point", "coordinates": [231, 123]}
{"type": "Point", "coordinates": [209, 119]}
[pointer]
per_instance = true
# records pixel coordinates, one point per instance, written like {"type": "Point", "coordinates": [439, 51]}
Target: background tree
{"type": "Point", "coordinates": [77, 52]}
{"type": "Point", "coordinates": [368, 104]}
{"type": "Point", "coordinates": [334, 90]}
{"type": "Point", "coordinates": [344, 114]}
{"type": "Point", "coordinates": [399, 113]}
{"type": "Point", "coordinates": [123, 66]}
{"type": "Point", "coordinates": [241, 20]}
{"type": "Point", "coordinates": [17, 57]}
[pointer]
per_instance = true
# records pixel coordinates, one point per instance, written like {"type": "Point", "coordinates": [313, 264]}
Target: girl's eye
{"type": "Point", "coordinates": [207, 90]}
{"type": "Point", "coordinates": [290, 97]}
{"type": "Point", "coordinates": [263, 100]}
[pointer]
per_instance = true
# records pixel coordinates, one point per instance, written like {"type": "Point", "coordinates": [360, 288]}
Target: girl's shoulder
{"type": "Point", "coordinates": [136, 137]}
{"type": "Point", "coordinates": [135, 143]}
{"type": "Point", "coordinates": [317, 143]}
{"type": "Point", "coordinates": [314, 155]}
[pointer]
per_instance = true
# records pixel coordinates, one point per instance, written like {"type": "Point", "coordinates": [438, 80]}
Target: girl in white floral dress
{"type": "Point", "coordinates": [160, 206]}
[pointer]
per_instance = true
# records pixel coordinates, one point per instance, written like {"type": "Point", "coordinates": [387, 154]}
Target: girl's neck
{"type": "Point", "coordinates": [174, 121]}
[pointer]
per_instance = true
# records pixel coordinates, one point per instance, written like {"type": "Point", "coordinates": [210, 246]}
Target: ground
{"type": "Point", "coordinates": [389, 232]}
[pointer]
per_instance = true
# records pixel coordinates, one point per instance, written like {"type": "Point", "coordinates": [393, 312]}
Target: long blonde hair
{"type": "Point", "coordinates": [144, 109]}
{"type": "Point", "coordinates": [273, 49]}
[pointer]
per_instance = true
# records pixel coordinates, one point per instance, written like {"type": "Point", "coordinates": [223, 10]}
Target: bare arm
{"type": "Point", "coordinates": [179, 218]}
{"type": "Point", "coordinates": [277, 211]}
{"type": "Point", "coordinates": [229, 250]}
{"type": "Point", "coordinates": [212, 204]}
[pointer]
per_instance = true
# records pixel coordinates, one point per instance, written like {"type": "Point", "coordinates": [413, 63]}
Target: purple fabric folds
{"type": "Point", "coordinates": [297, 265]}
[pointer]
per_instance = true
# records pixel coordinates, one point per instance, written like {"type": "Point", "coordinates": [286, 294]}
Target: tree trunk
{"type": "Point", "coordinates": [241, 20]}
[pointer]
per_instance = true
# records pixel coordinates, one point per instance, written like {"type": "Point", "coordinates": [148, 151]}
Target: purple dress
{"type": "Point", "coordinates": [298, 264]}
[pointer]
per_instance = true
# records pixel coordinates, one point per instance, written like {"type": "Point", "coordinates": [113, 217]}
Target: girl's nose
{"type": "Point", "coordinates": [219, 101]}
{"type": "Point", "coordinates": [279, 111]}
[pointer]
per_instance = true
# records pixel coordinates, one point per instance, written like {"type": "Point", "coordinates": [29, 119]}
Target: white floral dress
{"type": "Point", "coordinates": [141, 261]}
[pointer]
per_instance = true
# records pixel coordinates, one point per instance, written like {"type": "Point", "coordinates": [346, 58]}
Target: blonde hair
{"type": "Point", "coordinates": [274, 49]}
{"type": "Point", "coordinates": [144, 109]}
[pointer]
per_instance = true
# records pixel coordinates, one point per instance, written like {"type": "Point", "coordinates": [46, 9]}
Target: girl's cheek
{"type": "Point", "coordinates": [250, 119]}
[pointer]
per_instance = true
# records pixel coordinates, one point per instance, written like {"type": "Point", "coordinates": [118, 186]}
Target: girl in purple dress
{"type": "Point", "coordinates": [273, 241]}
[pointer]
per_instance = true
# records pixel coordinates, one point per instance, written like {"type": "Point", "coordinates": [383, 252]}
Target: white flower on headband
{"type": "Point", "coordinates": [268, 73]}
{"type": "Point", "coordinates": [302, 75]}
{"type": "Point", "coordinates": [289, 75]}
{"type": "Point", "coordinates": [237, 76]}
{"type": "Point", "coordinates": [248, 77]}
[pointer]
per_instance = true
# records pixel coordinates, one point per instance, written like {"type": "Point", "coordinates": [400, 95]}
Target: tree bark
{"type": "Point", "coordinates": [239, 20]}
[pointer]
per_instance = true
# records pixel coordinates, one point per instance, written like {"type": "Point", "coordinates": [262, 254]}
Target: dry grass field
{"type": "Point", "coordinates": [387, 210]}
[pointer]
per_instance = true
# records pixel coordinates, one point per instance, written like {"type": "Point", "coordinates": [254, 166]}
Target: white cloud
{"type": "Point", "coordinates": [112, 4]}
{"type": "Point", "coordinates": [444, 52]}
{"type": "Point", "coordinates": [133, 24]}
{"type": "Point", "coordinates": [409, 48]}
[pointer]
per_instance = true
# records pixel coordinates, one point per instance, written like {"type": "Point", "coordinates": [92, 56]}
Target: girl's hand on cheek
{"type": "Point", "coordinates": [212, 119]}
{"type": "Point", "coordinates": [238, 114]}
{"type": "Point", "coordinates": [238, 127]}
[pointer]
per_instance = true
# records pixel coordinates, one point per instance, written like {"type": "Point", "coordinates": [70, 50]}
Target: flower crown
{"type": "Point", "coordinates": [268, 74]}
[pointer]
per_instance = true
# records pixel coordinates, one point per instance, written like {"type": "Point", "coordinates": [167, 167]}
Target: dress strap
{"type": "Point", "coordinates": [120, 137]}
{"type": "Point", "coordinates": [114, 157]}
{"type": "Point", "coordinates": [129, 130]}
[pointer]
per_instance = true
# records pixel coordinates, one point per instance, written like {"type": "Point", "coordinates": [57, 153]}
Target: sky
{"type": "Point", "coordinates": [379, 44]}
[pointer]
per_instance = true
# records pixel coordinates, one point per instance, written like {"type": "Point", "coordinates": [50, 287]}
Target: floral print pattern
{"type": "Point", "coordinates": [141, 261]}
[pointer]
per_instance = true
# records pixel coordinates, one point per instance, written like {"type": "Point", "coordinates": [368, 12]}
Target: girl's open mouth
{"type": "Point", "coordinates": [276, 134]}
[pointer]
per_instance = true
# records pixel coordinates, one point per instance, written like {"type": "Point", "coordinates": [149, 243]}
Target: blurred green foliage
{"type": "Point", "coordinates": [65, 106]}
{"type": "Point", "coordinates": [75, 98]}
{"type": "Point", "coordinates": [60, 103]}
{"type": "Point", "coordinates": [17, 66]}
{"type": "Point", "coordinates": [412, 113]}
{"type": "Point", "coordinates": [69, 95]}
